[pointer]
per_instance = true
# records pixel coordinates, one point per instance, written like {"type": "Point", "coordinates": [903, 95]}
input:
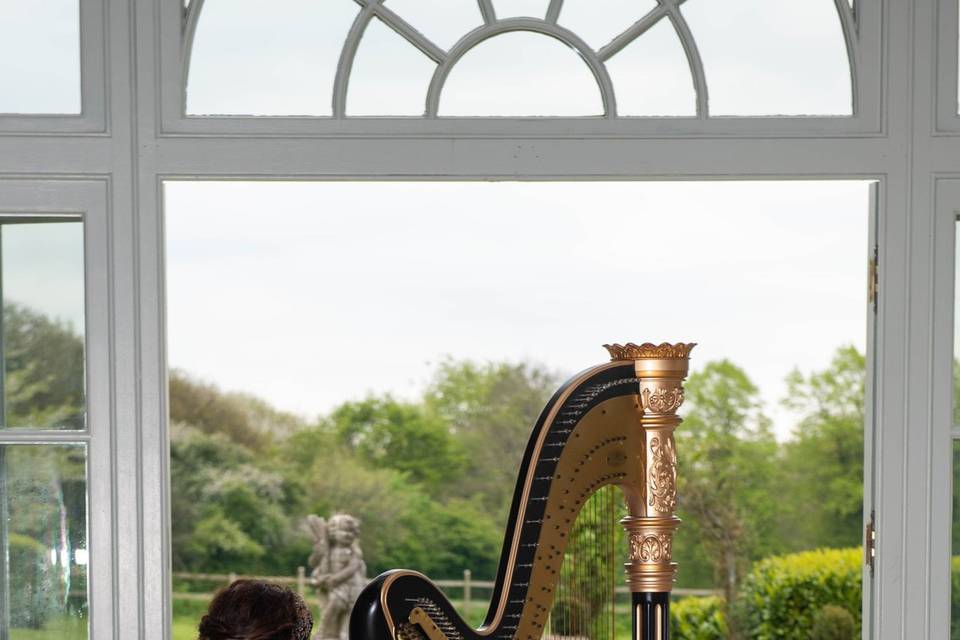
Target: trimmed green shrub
{"type": "Point", "coordinates": [955, 597]}
{"type": "Point", "coordinates": [782, 596]}
{"type": "Point", "coordinates": [698, 619]}
{"type": "Point", "coordinates": [833, 623]}
{"type": "Point", "coordinates": [31, 598]}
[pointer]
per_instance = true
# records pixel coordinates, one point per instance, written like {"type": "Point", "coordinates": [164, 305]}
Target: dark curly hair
{"type": "Point", "coordinates": [256, 610]}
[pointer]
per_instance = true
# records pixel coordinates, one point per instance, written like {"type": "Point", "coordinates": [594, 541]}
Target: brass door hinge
{"type": "Point", "coordinates": [870, 543]}
{"type": "Point", "coordinates": [873, 278]}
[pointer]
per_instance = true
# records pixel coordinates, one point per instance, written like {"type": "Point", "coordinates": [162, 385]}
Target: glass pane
{"type": "Point", "coordinates": [956, 330]}
{"type": "Point", "coordinates": [514, 8]}
{"type": "Point", "coordinates": [394, 359]}
{"type": "Point", "coordinates": [955, 561]}
{"type": "Point", "coordinates": [390, 76]}
{"type": "Point", "coordinates": [43, 542]}
{"type": "Point", "coordinates": [599, 21]}
{"type": "Point", "coordinates": [442, 21]}
{"type": "Point", "coordinates": [652, 76]}
{"type": "Point", "coordinates": [41, 279]}
{"type": "Point", "coordinates": [772, 58]}
{"type": "Point", "coordinates": [521, 74]}
{"type": "Point", "coordinates": [40, 57]}
{"type": "Point", "coordinates": [251, 59]}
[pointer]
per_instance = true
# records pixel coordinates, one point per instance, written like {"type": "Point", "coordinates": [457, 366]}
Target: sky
{"type": "Point", "coordinates": [42, 267]}
{"type": "Point", "coordinates": [310, 294]}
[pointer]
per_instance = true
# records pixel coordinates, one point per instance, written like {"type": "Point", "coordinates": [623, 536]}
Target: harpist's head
{"type": "Point", "coordinates": [256, 610]}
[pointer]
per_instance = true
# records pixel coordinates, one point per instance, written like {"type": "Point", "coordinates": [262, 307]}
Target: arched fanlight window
{"type": "Point", "coordinates": [450, 58]}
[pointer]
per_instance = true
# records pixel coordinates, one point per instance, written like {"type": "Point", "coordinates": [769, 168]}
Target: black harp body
{"type": "Point", "coordinates": [610, 425]}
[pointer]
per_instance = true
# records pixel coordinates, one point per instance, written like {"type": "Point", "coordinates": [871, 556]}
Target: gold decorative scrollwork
{"type": "Point", "coordinates": [631, 351]}
{"type": "Point", "coordinates": [663, 475]}
{"type": "Point", "coordinates": [663, 400]}
{"type": "Point", "coordinates": [651, 548]}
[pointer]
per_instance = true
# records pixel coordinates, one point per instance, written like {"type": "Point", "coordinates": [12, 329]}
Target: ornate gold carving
{"type": "Point", "coordinates": [651, 547]}
{"type": "Point", "coordinates": [662, 400]}
{"type": "Point", "coordinates": [651, 566]}
{"type": "Point", "coordinates": [648, 350]}
{"type": "Point", "coordinates": [663, 475]}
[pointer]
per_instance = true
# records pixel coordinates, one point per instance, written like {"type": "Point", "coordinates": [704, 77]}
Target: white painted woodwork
{"type": "Point", "coordinates": [109, 163]}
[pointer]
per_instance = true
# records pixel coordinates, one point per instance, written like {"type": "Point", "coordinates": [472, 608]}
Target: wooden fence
{"type": "Point", "coordinates": [301, 584]}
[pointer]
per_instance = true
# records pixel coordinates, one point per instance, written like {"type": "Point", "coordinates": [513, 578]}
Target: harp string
{"type": "Point", "coordinates": [585, 603]}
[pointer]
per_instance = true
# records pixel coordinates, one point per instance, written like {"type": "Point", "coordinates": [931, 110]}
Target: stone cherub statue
{"type": "Point", "coordinates": [339, 572]}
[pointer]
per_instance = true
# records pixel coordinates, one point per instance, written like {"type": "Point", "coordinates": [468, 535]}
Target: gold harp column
{"type": "Point", "coordinates": [651, 523]}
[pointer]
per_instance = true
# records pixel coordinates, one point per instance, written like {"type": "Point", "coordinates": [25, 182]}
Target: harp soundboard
{"type": "Point", "coordinates": [611, 425]}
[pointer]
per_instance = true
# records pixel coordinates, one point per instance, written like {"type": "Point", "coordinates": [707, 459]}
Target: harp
{"type": "Point", "coordinates": [609, 426]}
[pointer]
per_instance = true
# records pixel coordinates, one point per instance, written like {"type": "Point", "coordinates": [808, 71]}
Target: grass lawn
{"type": "Point", "coordinates": [186, 617]}
{"type": "Point", "coordinates": [185, 628]}
{"type": "Point", "coordinates": [64, 628]}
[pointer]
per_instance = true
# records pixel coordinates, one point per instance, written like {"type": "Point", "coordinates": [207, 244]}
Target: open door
{"type": "Point", "coordinates": [869, 423]}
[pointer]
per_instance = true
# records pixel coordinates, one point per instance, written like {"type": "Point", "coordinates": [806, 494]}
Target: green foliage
{"type": "Point", "coordinates": [833, 623]}
{"type": "Point", "coordinates": [955, 596]}
{"type": "Point", "coordinates": [401, 436]}
{"type": "Point", "coordinates": [244, 419]}
{"type": "Point", "coordinates": [586, 610]}
{"type": "Point", "coordinates": [729, 464]}
{"type": "Point", "coordinates": [956, 391]}
{"type": "Point", "coordinates": [244, 475]}
{"type": "Point", "coordinates": [490, 410]}
{"type": "Point", "coordinates": [229, 510]}
{"type": "Point", "coordinates": [782, 596]}
{"type": "Point", "coordinates": [44, 382]}
{"type": "Point", "coordinates": [33, 599]}
{"type": "Point", "coordinates": [828, 446]}
{"type": "Point", "coordinates": [431, 481]}
{"type": "Point", "coordinates": [698, 619]}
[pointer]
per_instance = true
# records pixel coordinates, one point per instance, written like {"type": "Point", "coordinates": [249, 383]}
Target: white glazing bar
{"type": "Point", "coordinates": [30, 436]}
{"type": "Point", "coordinates": [533, 25]}
{"type": "Point", "coordinates": [191, 17]}
{"type": "Point", "coordinates": [636, 30]}
{"type": "Point", "coordinates": [948, 41]}
{"type": "Point", "coordinates": [347, 55]}
{"type": "Point", "coordinates": [553, 11]}
{"type": "Point", "coordinates": [693, 58]}
{"type": "Point", "coordinates": [410, 34]}
{"type": "Point", "coordinates": [851, 38]}
{"type": "Point", "coordinates": [487, 11]}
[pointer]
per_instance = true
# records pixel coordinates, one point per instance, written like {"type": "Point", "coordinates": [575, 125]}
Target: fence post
{"type": "Point", "coordinates": [231, 578]}
{"type": "Point", "coordinates": [301, 581]}
{"type": "Point", "coordinates": [466, 592]}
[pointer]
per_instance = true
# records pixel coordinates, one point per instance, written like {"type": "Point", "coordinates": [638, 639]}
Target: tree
{"type": "Point", "coordinates": [489, 410]}
{"type": "Point", "coordinates": [824, 461]}
{"type": "Point", "coordinates": [230, 509]}
{"type": "Point", "coordinates": [728, 465]}
{"type": "Point", "coordinates": [402, 524]}
{"type": "Point", "coordinates": [401, 436]}
{"type": "Point", "coordinates": [44, 371]}
{"type": "Point", "coordinates": [243, 418]}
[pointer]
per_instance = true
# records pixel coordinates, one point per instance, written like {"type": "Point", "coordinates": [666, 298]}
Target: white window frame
{"type": "Point", "coordinates": [862, 33]}
{"type": "Point", "coordinates": [945, 35]}
{"type": "Point", "coordinates": [92, 119]}
{"type": "Point", "coordinates": [944, 432]}
{"type": "Point", "coordinates": [133, 135]}
{"type": "Point", "coordinates": [88, 200]}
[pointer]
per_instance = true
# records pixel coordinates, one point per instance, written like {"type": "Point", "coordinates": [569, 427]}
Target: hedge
{"type": "Point", "coordinates": [698, 619]}
{"type": "Point", "coordinates": [32, 599]}
{"type": "Point", "coordinates": [955, 597]}
{"type": "Point", "coordinates": [782, 597]}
